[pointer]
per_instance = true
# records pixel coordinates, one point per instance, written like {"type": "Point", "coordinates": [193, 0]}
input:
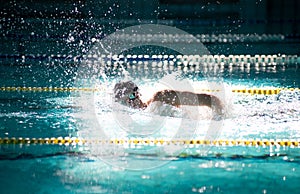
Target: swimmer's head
{"type": "Point", "coordinates": [125, 90]}
{"type": "Point", "coordinates": [127, 93]}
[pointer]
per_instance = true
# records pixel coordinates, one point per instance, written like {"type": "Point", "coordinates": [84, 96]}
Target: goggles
{"type": "Point", "coordinates": [133, 95]}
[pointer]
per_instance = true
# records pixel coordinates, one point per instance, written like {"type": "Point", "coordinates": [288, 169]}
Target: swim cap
{"type": "Point", "coordinates": [124, 89]}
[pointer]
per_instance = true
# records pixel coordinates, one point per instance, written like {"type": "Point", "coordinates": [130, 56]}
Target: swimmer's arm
{"type": "Point", "coordinates": [167, 97]}
{"type": "Point", "coordinates": [177, 98]}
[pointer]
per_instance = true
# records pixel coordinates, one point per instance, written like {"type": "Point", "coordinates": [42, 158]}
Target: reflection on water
{"type": "Point", "coordinates": [100, 168]}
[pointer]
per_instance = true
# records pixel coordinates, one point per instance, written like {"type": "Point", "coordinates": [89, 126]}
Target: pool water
{"type": "Point", "coordinates": [103, 169]}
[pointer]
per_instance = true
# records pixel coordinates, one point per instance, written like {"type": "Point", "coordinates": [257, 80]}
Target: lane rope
{"type": "Point", "coordinates": [179, 60]}
{"type": "Point", "coordinates": [149, 142]}
{"type": "Point", "coordinates": [204, 38]}
{"type": "Point", "coordinates": [176, 22]}
{"type": "Point", "coordinates": [252, 91]}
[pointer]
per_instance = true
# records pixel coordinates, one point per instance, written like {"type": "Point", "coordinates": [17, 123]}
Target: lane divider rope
{"type": "Point", "coordinates": [50, 89]}
{"type": "Point", "coordinates": [172, 59]}
{"type": "Point", "coordinates": [188, 38]}
{"type": "Point", "coordinates": [175, 22]}
{"type": "Point", "coordinates": [149, 142]}
{"type": "Point", "coordinates": [73, 89]}
{"type": "Point", "coordinates": [204, 38]}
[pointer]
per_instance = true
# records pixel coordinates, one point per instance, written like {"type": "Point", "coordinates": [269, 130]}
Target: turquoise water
{"type": "Point", "coordinates": [96, 169]}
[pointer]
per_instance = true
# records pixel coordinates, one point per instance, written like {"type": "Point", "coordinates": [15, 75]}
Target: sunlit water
{"type": "Point", "coordinates": [96, 169]}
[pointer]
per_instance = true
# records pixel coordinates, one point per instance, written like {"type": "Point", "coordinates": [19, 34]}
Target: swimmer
{"type": "Point", "coordinates": [127, 94]}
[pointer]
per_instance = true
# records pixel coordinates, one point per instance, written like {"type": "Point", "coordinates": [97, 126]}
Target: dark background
{"type": "Point", "coordinates": [67, 26]}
